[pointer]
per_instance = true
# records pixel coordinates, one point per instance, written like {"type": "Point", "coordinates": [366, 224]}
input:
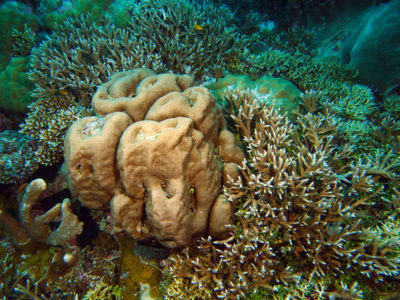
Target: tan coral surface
{"type": "Point", "coordinates": [89, 151]}
{"type": "Point", "coordinates": [173, 170]}
{"type": "Point", "coordinates": [162, 174]}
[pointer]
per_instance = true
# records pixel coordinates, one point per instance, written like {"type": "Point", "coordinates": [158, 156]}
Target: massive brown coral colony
{"type": "Point", "coordinates": [162, 173]}
{"type": "Point", "coordinates": [299, 197]}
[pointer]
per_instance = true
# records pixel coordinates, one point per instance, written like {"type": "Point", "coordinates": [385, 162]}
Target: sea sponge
{"type": "Point", "coordinates": [161, 174]}
{"type": "Point", "coordinates": [37, 228]}
{"type": "Point", "coordinates": [196, 103]}
{"type": "Point", "coordinates": [90, 149]}
{"type": "Point", "coordinates": [134, 92]}
{"type": "Point", "coordinates": [172, 170]}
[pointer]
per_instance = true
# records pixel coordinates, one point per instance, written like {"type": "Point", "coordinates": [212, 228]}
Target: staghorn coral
{"type": "Point", "coordinates": [299, 196]}
{"type": "Point", "coordinates": [164, 148]}
{"type": "Point", "coordinates": [311, 101]}
{"type": "Point", "coordinates": [355, 103]}
{"type": "Point", "coordinates": [386, 234]}
{"type": "Point", "coordinates": [38, 228]}
{"type": "Point", "coordinates": [384, 165]}
{"type": "Point", "coordinates": [56, 64]}
{"type": "Point", "coordinates": [23, 41]}
{"type": "Point", "coordinates": [352, 103]}
{"type": "Point", "coordinates": [190, 38]}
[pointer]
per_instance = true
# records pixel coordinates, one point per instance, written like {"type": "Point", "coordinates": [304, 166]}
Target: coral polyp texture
{"type": "Point", "coordinates": [301, 204]}
{"type": "Point", "coordinates": [155, 156]}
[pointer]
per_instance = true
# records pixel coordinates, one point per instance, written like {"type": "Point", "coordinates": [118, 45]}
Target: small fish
{"type": "Point", "coordinates": [198, 27]}
{"type": "Point", "coordinates": [63, 92]}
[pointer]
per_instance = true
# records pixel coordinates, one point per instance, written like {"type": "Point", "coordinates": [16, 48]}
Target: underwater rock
{"type": "Point", "coordinates": [374, 46]}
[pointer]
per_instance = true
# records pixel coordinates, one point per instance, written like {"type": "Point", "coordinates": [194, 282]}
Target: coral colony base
{"type": "Point", "coordinates": [177, 150]}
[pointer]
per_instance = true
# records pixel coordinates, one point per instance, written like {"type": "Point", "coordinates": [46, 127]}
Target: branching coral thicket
{"type": "Point", "coordinates": [389, 131]}
{"type": "Point", "coordinates": [67, 67]}
{"type": "Point", "coordinates": [352, 103]}
{"type": "Point", "coordinates": [82, 54]}
{"type": "Point", "coordinates": [23, 41]}
{"type": "Point", "coordinates": [299, 219]}
{"type": "Point", "coordinates": [47, 122]}
{"type": "Point", "coordinates": [190, 38]}
{"type": "Point", "coordinates": [305, 71]}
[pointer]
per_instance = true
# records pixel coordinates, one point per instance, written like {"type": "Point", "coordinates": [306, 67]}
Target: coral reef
{"type": "Point", "coordinates": [36, 274]}
{"type": "Point", "coordinates": [23, 41]}
{"type": "Point", "coordinates": [168, 155]}
{"type": "Point", "coordinates": [15, 88]}
{"type": "Point", "coordinates": [15, 15]}
{"type": "Point", "coordinates": [183, 37]}
{"type": "Point", "coordinates": [191, 38]}
{"type": "Point", "coordinates": [38, 228]}
{"type": "Point", "coordinates": [299, 195]}
{"type": "Point", "coordinates": [55, 12]}
{"type": "Point", "coordinates": [47, 122]}
{"type": "Point", "coordinates": [334, 83]}
{"type": "Point", "coordinates": [17, 157]}
{"type": "Point", "coordinates": [56, 64]}
{"type": "Point", "coordinates": [270, 90]}
{"type": "Point", "coordinates": [293, 193]}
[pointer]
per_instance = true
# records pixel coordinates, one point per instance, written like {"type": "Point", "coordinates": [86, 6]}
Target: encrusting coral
{"type": "Point", "coordinates": [299, 196]}
{"type": "Point", "coordinates": [170, 154]}
{"type": "Point", "coordinates": [38, 228]}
